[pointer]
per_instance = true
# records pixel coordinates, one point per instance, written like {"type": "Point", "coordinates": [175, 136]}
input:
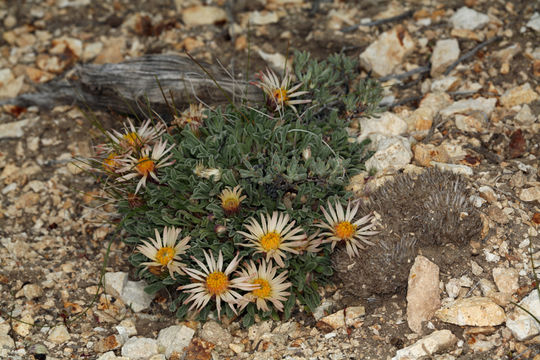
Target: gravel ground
{"type": "Point", "coordinates": [481, 120]}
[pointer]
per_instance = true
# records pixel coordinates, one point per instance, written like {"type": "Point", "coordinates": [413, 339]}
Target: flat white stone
{"type": "Point", "coordinates": [134, 295]}
{"type": "Point", "coordinates": [393, 154]}
{"type": "Point", "coordinates": [140, 348]}
{"type": "Point", "coordinates": [523, 325]}
{"type": "Point", "coordinates": [435, 342]}
{"type": "Point", "coordinates": [534, 23]}
{"type": "Point", "coordinates": [13, 129]}
{"type": "Point", "coordinates": [175, 338]}
{"type": "Point", "coordinates": [466, 18]}
{"type": "Point", "coordinates": [445, 53]}
{"type": "Point", "coordinates": [423, 297]}
{"type": "Point", "coordinates": [115, 282]}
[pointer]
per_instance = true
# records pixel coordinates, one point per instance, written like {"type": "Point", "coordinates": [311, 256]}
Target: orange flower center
{"type": "Point", "coordinates": [230, 203]}
{"type": "Point", "coordinates": [132, 139]}
{"type": "Point", "coordinates": [110, 163]}
{"type": "Point", "coordinates": [165, 255]}
{"type": "Point", "coordinates": [265, 289]}
{"type": "Point", "coordinates": [270, 241]}
{"type": "Point", "coordinates": [344, 230]}
{"type": "Point", "coordinates": [280, 95]}
{"type": "Point", "coordinates": [145, 166]}
{"type": "Point", "coordinates": [217, 283]}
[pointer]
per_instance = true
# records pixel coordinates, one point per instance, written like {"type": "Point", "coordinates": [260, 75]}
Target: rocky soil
{"type": "Point", "coordinates": [469, 103]}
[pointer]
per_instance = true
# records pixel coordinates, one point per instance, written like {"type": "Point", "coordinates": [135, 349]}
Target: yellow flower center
{"type": "Point", "coordinates": [265, 289]}
{"type": "Point", "coordinates": [217, 283]}
{"type": "Point", "coordinates": [280, 95]}
{"type": "Point", "coordinates": [165, 255]}
{"type": "Point", "coordinates": [230, 203]}
{"type": "Point", "coordinates": [110, 163]}
{"type": "Point", "coordinates": [344, 230]}
{"type": "Point", "coordinates": [270, 241]}
{"type": "Point", "coordinates": [145, 166]}
{"type": "Point", "coordinates": [132, 139]}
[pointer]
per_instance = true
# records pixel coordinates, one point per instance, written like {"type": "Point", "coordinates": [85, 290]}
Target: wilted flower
{"type": "Point", "coordinates": [211, 281]}
{"type": "Point", "coordinates": [231, 199]}
{"type": "Point", "coordinates": [272, 287]}
{"type": "Point", "coordinates": [341, 227]}
{"type": "Point", "coordinates": [273, 236]}
{"type": "Point", "coordinates": [165, 252]}
{"type": "Point", "coordinates": [279, 94]}
{"type": "Point", "coordinates": [204, 172]}
{"type": "Point", "coordinates": [193, 117]}
{"type": "Point", "coordinates": [147, 164]}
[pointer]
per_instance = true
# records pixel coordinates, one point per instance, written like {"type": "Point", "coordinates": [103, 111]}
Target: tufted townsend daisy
{"type": "Point", "coordinates": [135, 138]}
{"type": "Point", "coordinates": [340, 227]}
{"type": "Point", "coordinates": [273, 236]}
{"type": "Point", "coordinates": [272, 288]}
{"type": "Point", "coordinates": [165, 252]}
{"type": "Point", "coordinates": [231, 199]}
{"type": "Point", "coordinates": [279, 94]}
{"type": "Point", "coordinates": [211, 281]}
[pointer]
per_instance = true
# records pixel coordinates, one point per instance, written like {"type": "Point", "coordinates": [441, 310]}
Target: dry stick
{"type": "Point", "coordinates": [471, 53]}
{"type": "Point", "coordinates": [402, 16]}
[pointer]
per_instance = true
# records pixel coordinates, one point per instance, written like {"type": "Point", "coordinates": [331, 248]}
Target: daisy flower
{"type": "Point", "coordinates": [231, 199]}
{"type": "Point", "coordinates": [279, 94]}
{"type": "Point", "coordinates": [273, 236]}
{"type": "Point", "coordinates": [211, 281]}
{"type": "Point", "coordinates": [133, 138]}
{"type": "Point", "coordinates": [193, 117]}
{"type": "Point", "coordinates": [312, 243]}
{"type": "Point", "coordinates": [149, 161]}
{"type": "Point", "coordinates": [165, 252]}
{"type": "Point", "coordinates": [341, 227]}
{"type": "Point", "coordinates": [204, 172]}
{"type": "Point", "coordinates": [272, 287]}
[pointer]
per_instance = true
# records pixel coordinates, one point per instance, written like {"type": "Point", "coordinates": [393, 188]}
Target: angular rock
{"type": "Point", "coordinates": [203, 15]}
{"type": "Point", "coordinates": [263, 18]}
{"type": "Point", "coordinates": [140, 348]}
{"type": "Point", "coordinates": [32, 291]}
{"type": "Point", "coordinates": [455, 168]}
{"type": "Point", "coordinates": [447, 83]}
{"type": "Point", "coordinates": [534, 23]}
{"type": "Point", "coordinates": [387, 51]}
{"type": "Point", "coordinates": [109, 343]}
{"type": "Point", "coordinates": [445, 53]}
{"type": "Point", "coordinates": [422, 293]}
{"type": "Point", "coordinates": [466, 18]}
{"type": "Point", "coordinates": [175, 338]}
{"type": "Point", "coordinates": [506, 279]}
{"type": "Point", "coordinates": [107, 356]}
{"type": "Point", "coordinates": [134, 295]}
{"type": "Point", "coordinates": [326, 305]}
{"type": "Point", "coordinates": [13, 129]}
{"type": "Point", "coordinates": [349, 317]}
{"type": "Point", "coordinates": [485, 344]}
{"type": "Point", "coordinates": [59, 334]}
{"type": "Point", "coordinates": [467, 106]}
{"type": "Point", "coordinates": [530, 194]}
{"type": "Point", "coordinates": [473, 311]}
{"type": "Point", "coordinates": [388, 124]}
{"type": "Point", "coordinates": [115, 282]}
{"type": "Point", "coordinates": [525, 115]}
{"type": "Point", "coordinates": [471, 123]}
{"type": "Point", "coordinates": [453, 287]}
{"type": "Point", "coordinates": [392, 155]}
{"type": "Point", "coordinates": [523, 325]}
{"type": "Point", "coordinates": [126, 328]}
{"type": "Point", "coordinates": [6, 344]}
{"type": "Point", "coordinates": [23, 327]}
{"type": "Point", "coordinates": [435, 342]}
{"type": "Point", "coordinates": [276, 61]}
{"type": "Point", "coordinates": [215, 333]}
{"type": "Point", "coordinates": [523, 94]}
{"type": "Point", "coordinates": [424, 154]}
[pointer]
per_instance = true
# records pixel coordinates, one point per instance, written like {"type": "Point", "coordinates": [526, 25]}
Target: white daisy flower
{"type": "Point", "coordinates": [273, 236]}
{"type": "Point", "coordinates": [212, 282]}
{"type": "Point", "coordinates": [272, 287]}
{"type": "Point", "coordinates": [149, 161]}
{"type": "Point", "coordinates": [193, 117]}
{"type": "Point", "coordinates": [341, 227]}
{"type": "Point", "coordinates": [165, 252]}
{"type": "Point", "coordinates": [135, 139]}
{"type": "Point", "coordinates": [278, 93]}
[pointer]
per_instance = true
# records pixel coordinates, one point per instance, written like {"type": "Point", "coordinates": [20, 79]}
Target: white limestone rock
{"type": "Point", "coordinates": [523, 325]}
{"type": "Point", "coordinates": [175, 338]}
{"type": "Point", "coordinates": [466, 18]}
{"type": "Point", "coordinates": [445, 53]}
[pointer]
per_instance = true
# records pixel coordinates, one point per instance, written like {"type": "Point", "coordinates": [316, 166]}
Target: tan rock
{"type": "Point", "coordinates": [424, 154]}
{"type": "Point", "coordinates": [423, 297]}
{"type": "Point", "coordinates": [435, 342]}
{"type": "Point", "coordinates": [203, 15]}
{"type": "Point", "coordinates": [38, 75]}
{"type": "Point", "coordinates": [468, 34]}
{"type": "Point", "coordinates": [473, 311]}
{"type": "Point", "coordinates": [349, 317]}
{"type": "Point", "coordinates": [506, 279]}
{"type": "Point", "coordinates": [523, 94]}
{"type": "Point", "coordinates": [445, 53]}
{"type": "Point", "coordinates": [67, 47]}
{"type": "Point", "coordinates": [530, 194]}
{"type": "Point", "coordinates": [112, 52]}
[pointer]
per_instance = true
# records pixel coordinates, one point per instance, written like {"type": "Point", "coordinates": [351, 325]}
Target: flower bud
{"type": "Point", "coordinates": [306, 153]}
{"type": "Point", "coordinates": [220, 229]}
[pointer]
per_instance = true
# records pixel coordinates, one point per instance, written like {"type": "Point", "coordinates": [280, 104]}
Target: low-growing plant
{"type": "Point", "coordinates": [223, 207]}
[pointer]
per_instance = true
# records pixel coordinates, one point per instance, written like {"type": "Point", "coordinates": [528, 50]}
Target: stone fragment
{"type": "Point", "coordinates": [32, 291]}
{"type": "Point", "coordinates": [126, 328]}
{"type": "Point", "coordinates": [447, 83]}
{"type": "Point", "coordinates": [525, 115]}
{"type": "Point", "coordinates": [455, 168]}
{"type": "Point", "coordinates": [134, 296]}
{"type": "Point", "coordinates": [523, 325]}
{"type": "Point", "coordinates": [506, 279]}
{"type": "Point", "coordinates": [59, 334]}
{"type": "Point", "coordinates": [534, 23]}
{"type": "Point", "coordinates": [175, 338]}
{"type": "Point", "coordinates": [388, 51]}
{"type": "Point", "coordinates": [453, 287]}
{"type": "Point", "coordinates": [349, 317]}
{"type": "Point", "coordinates": [203, 15]}
{"type": "Point", "coordinates": [523, 94]}
{"type": "Point", "coordinates": [327, 304]}
{"type": "Point", "coordinates": [473, 311]}
{"type": "Point", "coordinates": [109, 343]}
{"type": "Point", "coordinates": [6, 344]}
{"type": "Point", "coordinates": [140, 348]}
{"type": "Point", "coordinates": [276, 61]}
{"type": "Point", "coordinates": [469, 19]}
{"type": "Point", "coordinates": [237, 348]}
{"type": "Point", "coordinates": [435, 342]}
{"type": "Point", "coordinates": [487, 193]}
{"type": "Point", "coordinates": [91, 50]}
{"type": "Point", "coordinates": [471, 123]}
{"type": "Point", "coordinates": [422, 292]}
{"type": "Point", "coordinates": [115, 282]}
{"type": "Point", "coordinates": [468, 106]}
{"type": "Point", "coordinates": [530, 194]}
{"type": "Point", "coordinates": [23, 327]}
{"type": "Point", "coordinates": [392, 155]}
{"type": "Point", "coordinates": [483, 344]}
{"type": "Point", "coordinates": [387, 124]}
{"type": "Point", "coordinates": [112, 51]}
{"type": "Point", "coordinates": [107, 356]}
{"type": "Point", "coordinates": [12, 88]}
{"type": "Point", "coordinates": [445, 53]}
{"type": "Point", "coordinates": [424, 154]}
{"type": "Point", "coordinates": [215, 333]}
{"type": "Point", "coordinates": [67, 47]}
{"type": "Point", "coordinates": [263, 18]}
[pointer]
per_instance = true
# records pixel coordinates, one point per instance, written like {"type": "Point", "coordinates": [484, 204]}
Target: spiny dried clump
{"type": "Point", "coordinates": [424, 212]}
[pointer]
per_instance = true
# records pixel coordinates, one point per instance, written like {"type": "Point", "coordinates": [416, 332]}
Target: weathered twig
{"type": "Point", "coordinates": [399, 17]}
{"type": "Point", "coordinates": [470, 53]}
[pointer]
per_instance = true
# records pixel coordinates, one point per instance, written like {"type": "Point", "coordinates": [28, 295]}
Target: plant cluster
{"type": "Point", "coordinates": [224, 207]}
